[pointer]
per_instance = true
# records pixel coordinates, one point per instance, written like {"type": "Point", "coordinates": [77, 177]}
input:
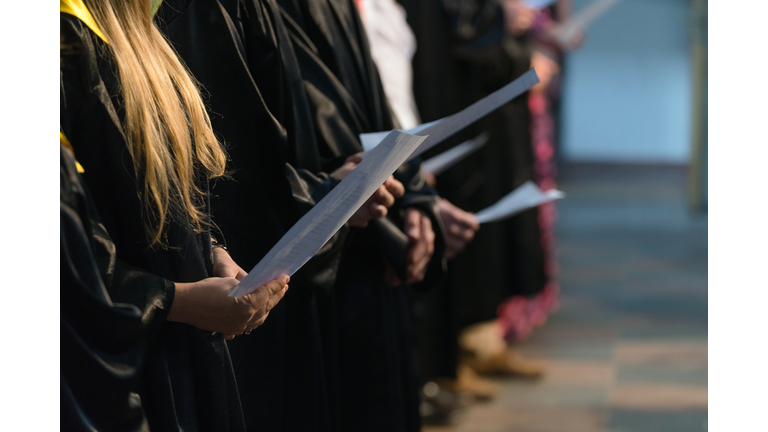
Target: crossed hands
{"type": "Point", "coordinates": [206, 304]}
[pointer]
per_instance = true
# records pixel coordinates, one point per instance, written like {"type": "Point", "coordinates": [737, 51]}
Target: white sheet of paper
{"type": "Point", "coordinates": [438, 164]}
{"type": "Point", "coordinates": [524, 197]}
{"type": "Point", "coordinates": [441, 129]}
{"type": "Point", "coordinates": [538, 4]}
{"type": "Point", "coordinates": [582, 18]}
{"type": "Point", "coordinates": [371, 140]}
{"type": "Point", "coordinates": [316, 227]}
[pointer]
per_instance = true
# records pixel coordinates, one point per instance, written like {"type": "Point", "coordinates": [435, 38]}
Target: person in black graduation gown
{"type": "Point", "coordinates": [100, 340]}
{"type": "Point", "coordinates": [467, 47]}
{"type": "Point", "coordinates": [240, 52]}
{"type": "Point", "coordinates": [163, 269]}
{"type": "Point", "coordinates": [377, 367]}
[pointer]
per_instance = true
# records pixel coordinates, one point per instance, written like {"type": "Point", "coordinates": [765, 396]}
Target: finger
{"type": "Point", "coordinates": [454, 243]}
{"type": "Point", "coordinates": [475, 222]}
{"type": "Point", "coordinates": [241, 274]}
{"type": "Point", "coordinates": [453, 247]}
{"type": "Point", "coordinates": [416, 260]}
{"type": "Point", "coordinates": [428, 234]}
{"type": "Point", "coordinates": [276, 285]}
{"type": "Point", "coordinates": [420, 270]}
{"type": "Point", "coordinates": [383, 197]}
{"type": "Point", "coordinates": [229, 337]}
{"type": "Point", "coordinates": [394, 187]}
{"type": "Point", "coordinates": [412, 224]}
{"type": "Point", "coordinates": [376, 210]}
{"type": "Point", "coordinates": [275, 299]}
{"type": "Point", "coordinates": [355, 158]}
{"type": "Point", "coordinates": [259, 322]}
{"type": "Point", "coordinates": [415, 252]}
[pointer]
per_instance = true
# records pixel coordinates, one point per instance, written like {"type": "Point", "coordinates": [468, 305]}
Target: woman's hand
{"type": "Point", "coordinates": [225, 266]}
{"type": "Point", "coordinates": [418, 227]}
{"type": "Point", "coordinates": [546, 69]}
{"type": "Point", "coordinates": [350, 164]}
{"type": "Point", "coordinates": [460, 227]}
{"type": "Point", "coordinates": [206, 305]}
{"type": "Point", "coordinates": [264, 299]}
{"type": "Point", "coordinates": [376, 206]}
{"type": "Point", "coordinates": [518, 17]}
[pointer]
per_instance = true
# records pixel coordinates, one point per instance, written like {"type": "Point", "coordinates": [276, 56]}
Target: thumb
{"type": "Point", "coordinates": [412, 226]}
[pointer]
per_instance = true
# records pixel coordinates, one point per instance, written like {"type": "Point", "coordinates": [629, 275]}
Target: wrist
{"type": "Point", "coordinates": [216, 245]}
{"type": "Point", "coordinates": [180, 308]}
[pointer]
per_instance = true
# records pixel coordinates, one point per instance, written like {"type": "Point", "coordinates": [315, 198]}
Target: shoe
{"type": "Point", "coordinates": [467, 381]}
{"type": "Point", "coordinates": [441, 407]}
{"type": "Point", "coordinates": [507, 363]}
{"type": "Point", "coordinates": [483, 340]}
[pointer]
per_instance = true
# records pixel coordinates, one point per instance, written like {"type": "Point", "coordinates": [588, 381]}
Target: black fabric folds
{"type": "Point", "coordinates": [102, 344]}
{"type": "Point", "coordinates": [462, 46]}
{"type": "Point", "coordinates": [240, 53]}
{"type": "Point", "coordinates": [378, 387]}
{"type": "Point", "coordinates": [187, 382]}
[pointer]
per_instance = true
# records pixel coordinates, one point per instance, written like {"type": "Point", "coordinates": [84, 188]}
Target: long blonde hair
{"type": "Point", "coordinates": [166, 124]}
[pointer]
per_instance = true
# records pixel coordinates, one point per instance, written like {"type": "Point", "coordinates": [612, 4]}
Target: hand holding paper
{"type": "Point", "coordinates": [524, 197]}
{"type": "Point", "coordinates": [313, 230]}
{"type": "Point", "coordinates": [460, 227]}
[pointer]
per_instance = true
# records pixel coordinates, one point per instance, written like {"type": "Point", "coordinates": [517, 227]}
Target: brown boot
{"type": "Point", "coordinates": [481, 388]}
{"type": "Point", "coordinates": [506, 362]}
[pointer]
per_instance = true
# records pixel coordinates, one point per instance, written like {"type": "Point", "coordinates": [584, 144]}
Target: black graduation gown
{"type": "Point", "coordinates": [232, 47]}
{"type": "Point", "coordinates": [379, 389]}
{"type": "Point", "coordinates": [187, 382]}
{"type": "Point", "coordinates": [102, 345]}
{"type": "Point", "coordinates": [462, 47]}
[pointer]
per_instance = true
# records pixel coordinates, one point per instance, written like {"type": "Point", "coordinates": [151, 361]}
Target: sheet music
{"type": "Point", "coordinates": [524, 197]}
{"type": "Point", "coordinates": [439, 130]}
{"type": "Point", "coordinates": [313, 230]}
{"type": "Point", "coordinates": [582, 18]}
{"type": "Point", "coordinates": [438, 164]}
{"type": "Point", "coordinates": [371, 140]}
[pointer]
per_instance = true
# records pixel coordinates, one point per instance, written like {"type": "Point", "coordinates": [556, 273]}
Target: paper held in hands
{"type": "Point", "coordinates": [313, 230]}
{"type": "Point", "coordinates": [438, 164]}
{"type": "Point", "coordinates": [439, 130]}
{"type": "Point", "coordinates": [581, 19]}
{"type": "Point", "coordinates": [524, 197]}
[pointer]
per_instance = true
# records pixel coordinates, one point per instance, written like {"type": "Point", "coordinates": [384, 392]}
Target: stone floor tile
{"type": "Point", "coordinates": [654, 421]}
{"type": "Point", "coordinates": [663, 352]}
{"type": "Point", "coordinates": [656, 373]}
{"type": "Point", "coordinates": [659, 397]}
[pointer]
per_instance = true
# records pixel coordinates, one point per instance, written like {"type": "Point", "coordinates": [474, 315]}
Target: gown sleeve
{"type": "Point", "coordinates": [102, 344]}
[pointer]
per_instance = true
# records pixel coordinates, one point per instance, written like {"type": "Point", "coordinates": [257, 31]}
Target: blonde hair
{"type": "Point", "coordinates": [166, 125]}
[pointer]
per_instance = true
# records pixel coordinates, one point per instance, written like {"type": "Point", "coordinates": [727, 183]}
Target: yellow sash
{"type": "Point", "coordinates": [65, 143]}
{"type": "Point", "coordinates": [77, 8]}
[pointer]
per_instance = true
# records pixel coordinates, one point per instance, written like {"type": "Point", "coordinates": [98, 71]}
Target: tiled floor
{"type": "Point", "coordinates": [627, 350]}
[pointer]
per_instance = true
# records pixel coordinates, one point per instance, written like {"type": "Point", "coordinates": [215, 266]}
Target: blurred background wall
{"type": "Point", "coordinates": [628, 92]}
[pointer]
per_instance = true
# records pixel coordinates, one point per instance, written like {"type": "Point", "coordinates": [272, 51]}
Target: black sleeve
{"type": "Point", "coordinates": [102, 343]}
